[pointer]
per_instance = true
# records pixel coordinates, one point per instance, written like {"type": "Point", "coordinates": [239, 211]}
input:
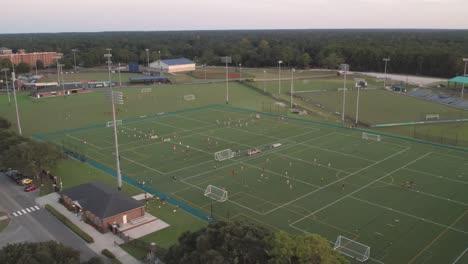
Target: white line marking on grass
{"type": "Point", "coordinates": [192, 119]}
{"type": "Point", "coordinates": [437, 176]}
{"type": "Point", "coordinates": [142, 165]}
{"type": "Point", "coordinates": [382, 142]}
{"type": "Point", "coordinates": [459, 257]}
{"type": "Point", "coordinates": [325, 186]}
{"type": "Point", "coordinates": [82, 141]}
{"type": "Point", "coordinates": [194, 165]}
{"type": "Point", "coordinates": [451, 156]}
{"type": "Point", "coordinates": [410, 215]}
{"type": "Point", "coordinates": [338, 152]}
{"type": "Point", "coordinates": [424, 193]}
{"type": "Point", "coordinates": [312, 163]}
{"type": "Point", "coordinates": [159, 123]}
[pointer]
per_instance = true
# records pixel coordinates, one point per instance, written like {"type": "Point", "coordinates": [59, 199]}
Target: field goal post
{"type": "Point", "coordinates": [223, 155]}
{"type": "Point", "coordinates": [352, 248]}
{"type": "Point", "coordinates": [111, 123]}
{"type": "Point", "coordinates": [432, 117]}
{"type": "Point", "coordinates": [216, 193]}
{"type": "Point", "coordinates": [189, 97]}
{"type": "Point", "coordinates": [145, 90]}
{"type": "Point", "coordinates": [370, 136]}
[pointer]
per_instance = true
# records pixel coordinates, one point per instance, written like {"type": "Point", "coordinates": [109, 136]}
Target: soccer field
{"type": "Point", "coordinates": [404, 199]}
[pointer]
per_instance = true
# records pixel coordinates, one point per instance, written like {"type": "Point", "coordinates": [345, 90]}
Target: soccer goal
{"type": "Point", "coordinates": [432, 117]}
{"type": "Point", "coordinates": [189, 97]}
{"type": "Point", "coordinates": [145, 90]}
{"type": "Point", "coordinates": [352, 248]}
{"type": "Point", "coordinates": [111, 123]}
{"type": "Point", "coordinates": [370, 136]}
{"type": "Point", "coordinates": [224, 155]}
{"type": "Point", "coordinates": [216, 193]}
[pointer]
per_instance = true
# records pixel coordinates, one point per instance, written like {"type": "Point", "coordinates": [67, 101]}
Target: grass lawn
{"type": "Point", "coordinates": [91, 76]}
{"type": "Point", "coordinates": [386, 194]}
{"type": "Point", "coordinates": [4, 223]}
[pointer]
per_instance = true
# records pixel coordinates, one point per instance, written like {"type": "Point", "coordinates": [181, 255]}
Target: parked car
{"type": "Point", "coordinates": [11, 173]}
{"type": "Point", "coordinates": [31, 188]}
{"type": "Point", "coordinates": [26, 181]}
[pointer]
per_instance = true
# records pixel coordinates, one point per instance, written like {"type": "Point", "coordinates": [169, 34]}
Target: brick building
{"type": "Point", "coordinates": [49, 58]}
{"type": "Point", "coordinates": [102, 206]}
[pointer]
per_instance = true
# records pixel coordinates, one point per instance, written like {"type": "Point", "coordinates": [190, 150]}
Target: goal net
{"type": "Point", "coordinates": [189, 97]}
{"type": "Point", "coordinates": [111, 123]}
{"type": "Point", "coordinates": [352, 248]}
{"type": "Point", "coordinates": [145, 90]}
{"type": "Point", "coordinates": [432, 117]}
{"type": "Point", "coordinates": [216, 193]}
{"type": "Point", "coordinates": [370, 136]}
{"type": "Point", "coordinates": [223, 155]}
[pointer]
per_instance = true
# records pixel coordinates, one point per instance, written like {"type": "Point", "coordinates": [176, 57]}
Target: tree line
{"type": "Point", "coordinates": [418, 52]}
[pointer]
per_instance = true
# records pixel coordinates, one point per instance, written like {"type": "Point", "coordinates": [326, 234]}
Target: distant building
{"type": "Point", "coordinates": [48, 58]}
{"type": "Point", "coordinates": [102, 206]}
{"type": "Point", "coordinates": [173, 65]}
{"type": "Point", "coordinates": [47, 90]}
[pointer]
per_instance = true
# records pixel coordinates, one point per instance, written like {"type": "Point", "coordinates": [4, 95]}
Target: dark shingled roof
{"type": "Point", "coordinates": [102, 200]}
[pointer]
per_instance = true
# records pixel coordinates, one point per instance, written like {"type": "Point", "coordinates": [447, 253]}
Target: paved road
{"type": "Point", "coordinates": [35, 225]}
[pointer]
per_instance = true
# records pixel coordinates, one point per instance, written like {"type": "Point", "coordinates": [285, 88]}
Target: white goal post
{"type": "Point", "coordinates": [111, 123]}
{"type": "Point", "coordinates": [432, 117]}
{"type": "Point", "coordinates": [216, 193]}
{"type": "Point", "coordinates": [223, 155]}
{"type": "Point", "coordinates": [189, 97]}
{"type": "Point", "coordinates": [352, 248]}
{"type": "Point", "coordinates": [145, 90]}
{"type": "Point", "coordinates": [370, 136]}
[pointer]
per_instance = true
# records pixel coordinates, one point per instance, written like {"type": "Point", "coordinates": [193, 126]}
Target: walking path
{"type": "Point", "coordinates": [101, 241]}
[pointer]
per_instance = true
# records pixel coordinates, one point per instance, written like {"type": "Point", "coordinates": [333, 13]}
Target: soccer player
{"type": "Point", "coordinates": [233, 172]}
{"type": "Point", "coordinates": [174, 178]}
{"type": "Point", "coordinates": [342, 187]}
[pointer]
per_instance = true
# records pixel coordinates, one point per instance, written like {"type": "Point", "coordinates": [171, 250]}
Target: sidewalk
{"type": "Point", "coordinates": [101, 241]}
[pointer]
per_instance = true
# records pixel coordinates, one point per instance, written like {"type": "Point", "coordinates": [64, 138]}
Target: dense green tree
{"type": "Point", "coordinates": [40, 64]}
{"type": "Point", "coordinates": [38, 253]}
{"type": "Point", "coordinates": [22, 67]}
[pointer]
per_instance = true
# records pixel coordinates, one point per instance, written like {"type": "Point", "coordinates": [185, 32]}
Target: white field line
{"type": "Point", "coordinates": [142, 165]}
{"type": "Point", "coordinates": [410, 215]}
{"type": "Point", "coordinates": [333, 151]}
{"type": "Point", "coordinates": [159, 123]}
{"type": "Point", "coordinates": [281, 175]}
{"type": "Point", "coordinates": [451, 156]}
{"type": "Point", "coordinates": [185, 146]}
{"type": "Point", "coordinates": [437, 176]}
{"type": "Point", "coordinates": [82, 141]}
{"type": "Point", "coordinates": [383, 142]}
{"type": "Point", "coordinates": [312, 163]}
{"type": "Point", "coordinates": [365, 186]}
{"type": "Point", "coordinates": [428, 194]}
{"type": "Point", "coordinates": [460, 256]}
{"type": "Point", "coordinates": [325, 186]}
{"type": "Point", "coordinates": [194, 165]}
{"type": "Point", "coordinates": [198, 120]}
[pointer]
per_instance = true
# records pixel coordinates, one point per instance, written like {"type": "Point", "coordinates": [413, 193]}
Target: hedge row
{"type": "Point", "coordinates": [70, 225]}
{"type": "Point", "coordinates": [111, 256]}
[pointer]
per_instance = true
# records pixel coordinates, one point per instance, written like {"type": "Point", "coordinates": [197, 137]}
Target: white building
{"type": "Point", "coordinates": [173, 65]}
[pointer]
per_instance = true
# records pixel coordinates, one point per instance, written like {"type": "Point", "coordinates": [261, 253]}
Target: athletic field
{"type": "Point", "coordinates": [406, 200]}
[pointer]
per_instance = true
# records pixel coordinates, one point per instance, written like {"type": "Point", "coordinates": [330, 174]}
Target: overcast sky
{"type": "Point", "coordinates": [133, 15]}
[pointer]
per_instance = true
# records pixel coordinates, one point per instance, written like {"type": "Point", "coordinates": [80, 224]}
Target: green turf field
{"type": "Point", "coordinates": [406, 200]}
{"type": "Point", "coordinates": [88, 76]}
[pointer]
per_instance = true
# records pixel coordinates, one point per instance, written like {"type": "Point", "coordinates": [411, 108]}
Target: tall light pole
{"type": "Point", "coordinates": [74, 58]}
{"type": "Point", "coordinates": [240, 71]}
{"type": "Point", "coordinates": [63, 82]}
{"type": "Point", "coordinates": [344, 68]}
{"type": "Point", "coordinates": [464, 76]}
{"type": "Point", "coordinates": [120, 78]}
{"type": "Point", "coordinates": [279, 77]}
{"type": "Point", "coordinates": [147, 57]}
{"type": "Point", "coordinates": [5, 70]}
{"type": "Point", "coordinates": [114, 98]}
{"type": "Point", "coordinates": [292, 86]}
{"type": "Point", "coordinates": [386, 60]}
{"type": "Point", "coordinates": [204, 68]}
{"type": "Point", "coordinates": [35, 61]}
{"type": "Point", "coordinates": [264, 81]}
{"type": "Point", "coordinates": [160, 65]}
{"type": "Point", "coordinates": [58, 69]}
{"type": "Point", "coordinates": [227, 60]}
{"type": "Point", "coordinates": [16, 104]}
{"type": "Point", "coordinates": [357, 103]}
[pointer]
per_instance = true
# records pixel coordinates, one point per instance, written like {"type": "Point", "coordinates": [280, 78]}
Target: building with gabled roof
{"type": "Point", "coordinates": [102, 206]}
{"type": "Point", "coordinates": [173, 65]}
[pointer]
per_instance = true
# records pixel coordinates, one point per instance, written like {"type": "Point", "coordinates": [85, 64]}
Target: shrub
{"type": "Point", "coordinates": [108, 254]}
{"type": "Point", "coordinates": [70, 225]}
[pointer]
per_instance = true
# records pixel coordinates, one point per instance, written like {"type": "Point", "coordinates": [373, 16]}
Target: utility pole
{"type": "Point", "coordinates": [240, 72]}
{"type": "Point", "coordinates": [74, 59]}
{"type": "Point", "coordinates": [344, 68]}
{"type": "Point", "coordinates": [227, 60]}
{"type": "Point", "coordinates": [279, 77]}
{"type": "Point", "coordinates": [35, 61]}
{"type": "Point", "coordinates": [13, 78]}
{"type": "Point", "coordinates": [386, 60]}
{"type": "Point", "coordinates": [464, 76]}
{"type": "Point", "coordinates": [63, 82]}
{"type": "Point", "coordinates": [120, 78]}
{"type": "Point", "coordinates": [292, 86]}
{"type": "Point", "coordinates": [357, 104]}
{"type": "Point", "coordinates": [5, 70]}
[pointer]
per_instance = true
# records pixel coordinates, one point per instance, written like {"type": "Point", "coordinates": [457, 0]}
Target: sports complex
{"type": "Point", "coordinates": [377, 195]}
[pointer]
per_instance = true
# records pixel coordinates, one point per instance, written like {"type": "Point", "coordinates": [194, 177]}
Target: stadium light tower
{"type": "Point", "coordinates": [58, 69]}
{"type": "Point", "coordinates": [386, 60]}
{"type": "Point", "coordinates": [292, 86]}
{"type": "Point", "coordinates": [227, 60]}
{"type": "Point", "coordinates": [344, 68]}
{"type": "Point", "coordinates": [240, 71]}
{"type": "Point", "coordinates": [204, 69]}
{"type": "Point", "coordinates": [147, 57]}
{"type": "Point", "coordinates": [16, 103]}
{"type": "Point", "coordinates": [5, 70]}
{"type": "Point", "coordinates": [60, 66]}
{"type": "Point", "coordinates": [74, 58]}
{"type": "Point", "coordinates": [464, 76]}
{"type": "Point", "coordinates": [279, 77]}
{"type": "Point", "coordinates": [357, 103]}
{"type": "Point", "coordinates": [115, 98]}
{"type": "Point", "coordinates": [35, 62]}
{"type": "Point", "coordinates": [264, 81]}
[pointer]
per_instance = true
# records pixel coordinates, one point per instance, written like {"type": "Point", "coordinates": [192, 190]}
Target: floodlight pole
{"type": "Point", "coordinates": [357, 104]}
{"type": "Point", "coordinates": [386, 60]}
{"type": "Point", "coordinates": [120, 78]}
{"type": "Point", "coordinates": [63, 82]}
{"type": "Point", "coordinates": [279, 77]}
{"type": "Point", "coordinates": [344, 68]}
{"type": "Point", "coordinates": [74, 58]}
{"type": "Point", "coordinates": [227, 83]}
{"type": "Point", "coordinates": [464, 76]}
{"type": "Point", "coordinates": [116, 141]}
{"type": "Point", "coordinates": [58, 70]}
{"type": "Point", "coordinates": [292, 86]}
{"type": "Point", "coordinates": [147, 58]}
{"type": "Point", "coordinates": [35, 61]}
{"type": "Point", "coordinates": [16, 104]}
{"type": "Point", "coordinates": [6, 80]}
{"type": "Point", "coordinates": [240, 71]}
{"type": "Point", "coordinates": [264, 81]}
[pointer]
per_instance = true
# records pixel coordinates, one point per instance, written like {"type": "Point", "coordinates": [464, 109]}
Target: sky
{"type": "Point", "coordinates": [30, 16]}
